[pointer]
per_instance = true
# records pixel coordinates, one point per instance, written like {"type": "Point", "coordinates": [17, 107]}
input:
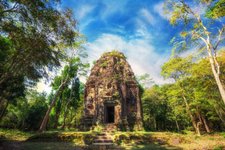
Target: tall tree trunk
{"type": "Point", "coordinates": [190, 115]}
{"type": "Point", "coordinates": [65, 116]}
{"type": "Point", "coordinates": [178, 127]}
{"type": "Point", "coordinates": [205, 124]}
{"type": "Point", "coordinates": [58, 93]}
{"type": "Point", "coordinates": [200, 122]}
{"type": "Point", "coordinates": [4, 109]}
{"type": "Point", "coordinates": [58, 111]}
{"type": "Point", "coordinates": [71, 116]}
{"type": "Point", "coordinates": [198, 128]}
{"type": "Point", "coordinates": [66, 108]}
{"type": "Point", "coordinates": [211, 50]}
{"type": "Point", "coordinates": [56, 119]}
{"type": "Point", "coordinates": [221, 116]}
{"type": "Point", "coordinates": [64, 120]}
{"type": "Point", "coordinates": [199, 116]}
{"type": "Point", "coordinates": [75, 121]}
{"type": "Point", "coordinates": [154, 122]}
{"type": "Point", "coordinates": [216, 73]}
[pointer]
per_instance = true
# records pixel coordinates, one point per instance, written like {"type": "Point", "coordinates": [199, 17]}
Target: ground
{"type": "Point", "coordinates": [14, 139]}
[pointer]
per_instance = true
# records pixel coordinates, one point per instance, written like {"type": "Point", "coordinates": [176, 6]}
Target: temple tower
{"type": "Point", "coordinates": [112, 94]}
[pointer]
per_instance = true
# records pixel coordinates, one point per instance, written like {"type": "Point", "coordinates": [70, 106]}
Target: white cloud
{"type": "Point", "coordinates": [199, 9]}
{"type": "Point", "coordinates": [147, 16]}
{"type": "Point", "coordinates": [158, 8]}
{"type": "Point", "coordinates": [141, 30]}
{"type": "Point", "coordinates": [112, 7]}
{"type": "Point", "coordinates": [84, 10]}
{"type": "Point", "coordinates": [140, 53]}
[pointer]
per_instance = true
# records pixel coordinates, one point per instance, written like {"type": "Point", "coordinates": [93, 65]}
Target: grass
{"type": "Point", "coordinates": [41, 146]}
{"type": "Point", "coordinates": [15, 135]}
{"type": "Point", "coordinates": [11, 139]}
{"type": "Point", "coordinates": [149, 147]}
{"type": "Point", "coordinates": [170, 140]}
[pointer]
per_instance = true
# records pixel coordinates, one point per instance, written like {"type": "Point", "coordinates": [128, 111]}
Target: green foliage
{"type": "Point", "coordinates": [114, 53]}
{"type": "Point", "coordinates": [12, 87]}
{"type": "Point", "coordinates": [27, 113]}
{"type": "Point", "coordinates": [67, 101]}
{"type": "Point", "coordinates": [144, 80]}
{"type": "Point", "coordinates": [34, 37]}
{"type": "Point", "coordinates": [217, 10]}
{"type": "Point", "coordinates": [36, 112]}
{"type": "Point", "coordinates": [194, 27]}
{"type": "Point", "coordinates": [98, 128]}
{"type": "Point", "coordinates": [155, 109]}
{"type": "Point", "coordinates": [194, 81]}
{"type": "Point", "coordinates": [104, 64]}
{"type": "Point", "coordinates": [5, 47]}
{"type": "Point", "coordinates": [15, 116]}
{"type": "Point", "coordinates": [176, 67]}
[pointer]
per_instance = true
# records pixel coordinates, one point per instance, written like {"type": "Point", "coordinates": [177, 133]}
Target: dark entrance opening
{"type": "Point", "coordinates": [110, 114]}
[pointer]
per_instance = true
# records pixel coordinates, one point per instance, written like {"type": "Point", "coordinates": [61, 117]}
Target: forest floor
{"type": "Point", "coordinates": [67, 140]}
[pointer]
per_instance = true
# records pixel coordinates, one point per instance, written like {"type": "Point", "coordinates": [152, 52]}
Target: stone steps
{"type": "Point", "coordinates": [101, 134]}
{"type": "Point", "coordinates": [103, 141]}
{"type": "Point", "coordinates": [106, 147]}
{"type": "Point", "coordinates": [104, 138]}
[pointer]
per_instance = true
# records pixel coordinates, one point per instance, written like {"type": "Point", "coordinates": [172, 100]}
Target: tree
{"type": "Point", "coordinates": [36, 35]}
{"type": "Point", "coordinates": [69, 72]}
{"type": "Point", "coordinates": [194, 92]}
{"type": "Point", "coordinates": [13, 87]}
{"type": "Point", "coordinates": [145, 80]}
{"type": "Point", "coordinates": [198, 30]}
{"type": "Point", "coordinates": [26, 112]}
{"type": "Point", "coordinates": [35, 111]}
{"type": "Point", "coordinates": [177, 68]}
{"type": "Point", "coordinates": [205, 92]}
{"type": "Point", "coordinates": [73, 99]}
{"type": "Point", "coordinates": [154, 109]}
{"type": "Point", "coordinates": [217, 10]}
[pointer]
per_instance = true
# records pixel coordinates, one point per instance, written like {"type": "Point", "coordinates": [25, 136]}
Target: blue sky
{"type": "Point", "coordinates": [137, 28]}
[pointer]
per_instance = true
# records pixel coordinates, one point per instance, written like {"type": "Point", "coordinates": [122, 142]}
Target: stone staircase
{"type": "Point", "coordinates": [104, 138]}
{"type": "Point", "coordinates": [104, 141]}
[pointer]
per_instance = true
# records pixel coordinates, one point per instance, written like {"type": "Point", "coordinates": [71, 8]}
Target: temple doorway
{"type": "Point", "coordinates": [109, 114]}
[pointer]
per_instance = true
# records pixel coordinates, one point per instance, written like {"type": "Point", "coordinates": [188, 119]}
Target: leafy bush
{"type": "Point", "coordinates": [26, 113]}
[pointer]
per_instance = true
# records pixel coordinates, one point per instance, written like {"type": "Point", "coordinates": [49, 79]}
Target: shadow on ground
{"type": "Point", "coordinates": [15, 145]}
{"type": "Point", "coordinates": [70, 141]}
{"type": "Point", "coordinates": [152, 146]}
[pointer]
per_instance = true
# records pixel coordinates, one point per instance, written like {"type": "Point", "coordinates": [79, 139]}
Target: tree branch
{"type": "Point", "coordinates": [10, 10]}
{"type": "Point", "coordinates": [211, 50]}
{"type": "Point", "coordinates": [197, 17]}
{"type": "Point", "coordinates": [221, 31]}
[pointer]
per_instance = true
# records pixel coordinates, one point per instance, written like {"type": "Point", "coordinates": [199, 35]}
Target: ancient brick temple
{"type": "Point", "coordinates": [112, 94]}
